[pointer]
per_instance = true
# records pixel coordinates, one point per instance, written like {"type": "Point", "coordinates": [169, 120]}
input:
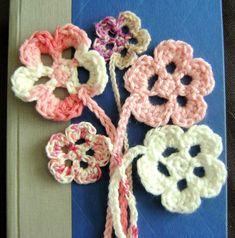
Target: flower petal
{"type": "Point", "coordinates": [62, 173]}
{"type": "Point", "coordinates": [211, 183]}
{"type": "Point", "coordinates": [209, 142]}
{"type": "Point", "coordinates": [103, 27]}
{"type": "Point", "coordinates": [202, 79]}
{"type": "Point", "coordinates": [78, 131]}
{"type": "Point", "coordinates": [152, 179]}
{"type": "Point", "coordinates": [170, 51]}
{"type": "Point", "coordinates": [95, 64]}
{"type": "Point", "coordinates": [125, 61]}
{"type": "Point", "coordinates": [163, 137]}
{"type": "Point", "coordinates": [87, 175]}
{"type": "Point", "coordinates": [102, 148]}
{"type": "Point", "coordinates": [55, 145]}
{"type": "Point", "coordinates": [130, 20]}
{"type": "Point", "coordinates": [70, 35]}
{"type": "Point", "coordinates": [24, 79]}
{"type": "Point", "coordinates": [51, 107]}
{"type": "Point", "coordinates": [31, 50]}
{"type": "Point", "coordinates": [192, 112]}
{"type": "Point", "coordinates": [186, 201]}
{"type": "Point", "coordinates": [152, 115]}
{"type": "Point", "coordinates": [136, 78]}
{"type": "Point", "coordinates": [143, 39]}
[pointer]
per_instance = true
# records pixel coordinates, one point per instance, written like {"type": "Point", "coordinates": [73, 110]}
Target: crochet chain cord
{"type": "Point", "coordinates": [111, 131]}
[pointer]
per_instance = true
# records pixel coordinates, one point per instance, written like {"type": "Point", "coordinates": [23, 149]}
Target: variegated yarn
{"type": "Point", "coordinates": [168, 85]}
{"type": "Point", "coordinates": [83, 149]}
{"type": "Point", "coordinates": [62, 73]}
{"type": "Point", "coordinates": [181, 166]}
{"type": "Point", "coordinates": [112, 43]}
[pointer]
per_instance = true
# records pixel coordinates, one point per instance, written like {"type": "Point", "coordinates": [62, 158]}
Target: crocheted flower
{"type": "Point", "coordinates": [61, 74]}
{"type": "Point", "coordinates": [78, 155]}
{"type": "Point", "coordinates": [170, 85]}
{"type": "Point", "coordinates": [182, 166]}
{"type": "Point", "coordinates": [118, 35]}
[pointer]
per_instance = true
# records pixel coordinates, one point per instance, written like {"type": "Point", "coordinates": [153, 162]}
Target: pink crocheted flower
{"type": "Point", "coordinates": [78, 155]}
{"type": "Point", "coordinates": [61, 74]}
{"type": "Point", "coordinates": [115, 35]}
{"type": "Point", "coordinates": [170, 85]}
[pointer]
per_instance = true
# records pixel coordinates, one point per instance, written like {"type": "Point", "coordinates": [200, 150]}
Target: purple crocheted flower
{"type": "Point", "coordinates": [112, 38]}
{"type": "Point", "coordinates": [115, 35]}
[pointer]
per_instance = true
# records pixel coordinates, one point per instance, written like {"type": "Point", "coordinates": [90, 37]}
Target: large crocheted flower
{"type": "Point", "coordinates": [78, 155]}
{"type": "Point", "coordinates": [182, 166]}
{"type": "Point", "coordinates": [170, 85]}
{"type": "Point", "coordinates": [61, 74]}
{"type": "Point", "coordinates": [120, 35]}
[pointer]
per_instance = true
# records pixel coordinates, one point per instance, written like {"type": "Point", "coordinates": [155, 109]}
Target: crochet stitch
{"type": "Point", "coordinates": [62, 73]}
{"type": "Point", "coordinates": [115, 35]}
{"type": "Point", "coordinates": [136, 81]}
{"type": "Point", "coordinates": [179, 165]}
{"type": "Point", "coordinates": [135, 40]}
{"type": "Point", "coordinates": [169, 88]}
{"type": "Point", "coordinates": [83, 146]}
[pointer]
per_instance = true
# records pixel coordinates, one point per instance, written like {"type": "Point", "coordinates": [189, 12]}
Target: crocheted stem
{"type": "Point", "coordinates": [117, 149]}
{"type": "Point", "coordinates": [123, 200]}
{"type": "Point", "coordinates": [122, 127]}
{"type": "Point", "coordinates": [119, 175]}
{"type": "Point", "coordinates": [117, 97]}
{"type": "Point", "coordinates": [100, 114]}
{"type": "Point", "coordinates": [111, 131]}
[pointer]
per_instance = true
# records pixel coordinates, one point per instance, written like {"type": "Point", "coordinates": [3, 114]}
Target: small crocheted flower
{"type": "Point", "coordinates": [78, 155]}
{"type": "Point", "coordinates": [182, 166]}
{"type": "Point", "coordinates": [170, 85]}
{"type": "Point", "coordinates": [118, 35]}
{"type": "Point", "coordinates": [61, 74]}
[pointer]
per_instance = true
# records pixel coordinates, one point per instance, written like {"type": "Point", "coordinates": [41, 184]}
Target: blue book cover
{"type": "Point", "coordinates": [199, 23]}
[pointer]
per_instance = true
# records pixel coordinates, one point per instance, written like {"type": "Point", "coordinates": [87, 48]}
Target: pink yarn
{"type": "Point", "coordinates": [98, 144]}
{"type": "Point", "coordinates": [169, 85]}
{"type": "Point", "coordinates": [51, 107]}
{"type": "Point", "coordinates": [44, 42]}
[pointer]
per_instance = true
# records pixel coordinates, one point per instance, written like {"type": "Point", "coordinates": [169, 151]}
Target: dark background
{"type": "Point", "coordinates": [229, 43]}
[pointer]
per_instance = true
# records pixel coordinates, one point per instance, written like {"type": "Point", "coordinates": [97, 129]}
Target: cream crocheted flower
{"type": "Point", "coordinates": [78, 155]}
{"type": "Point", "coordinates": [182, 166]}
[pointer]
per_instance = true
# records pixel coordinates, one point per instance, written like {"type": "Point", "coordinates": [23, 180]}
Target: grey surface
{"type": "Point", "coordinates": [37, 205]}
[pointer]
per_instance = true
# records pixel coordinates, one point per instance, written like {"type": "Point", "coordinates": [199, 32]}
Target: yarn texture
{"type": "Point", "coordinates": [168, 87]}
{"type": "Point", "coordinates": [179, 165]}
{"type": "Point", "coordinates": [85, 150]}
{"type": "Point", "coordinates": [121, 38]}
{"type": "Point", "coordinates": [62, 73]}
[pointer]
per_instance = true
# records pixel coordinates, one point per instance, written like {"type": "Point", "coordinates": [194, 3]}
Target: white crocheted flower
{"type": "Point", "coordinates": [182, 166]}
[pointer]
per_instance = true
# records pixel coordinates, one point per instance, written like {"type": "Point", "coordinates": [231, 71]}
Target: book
{"type": "Point", "coordinates": [40, 207]}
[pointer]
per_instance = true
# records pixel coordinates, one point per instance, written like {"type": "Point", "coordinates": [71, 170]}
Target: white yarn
{"type": "Point", "coordinates": [95, 64]}
{"type": "Point", "coordinates": [180, 166]}
{"type": "Point", "coordinates": [24, 78]}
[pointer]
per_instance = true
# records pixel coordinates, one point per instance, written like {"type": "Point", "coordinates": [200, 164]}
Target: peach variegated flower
{"type": "Point", "coordinates": [78, 154]}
